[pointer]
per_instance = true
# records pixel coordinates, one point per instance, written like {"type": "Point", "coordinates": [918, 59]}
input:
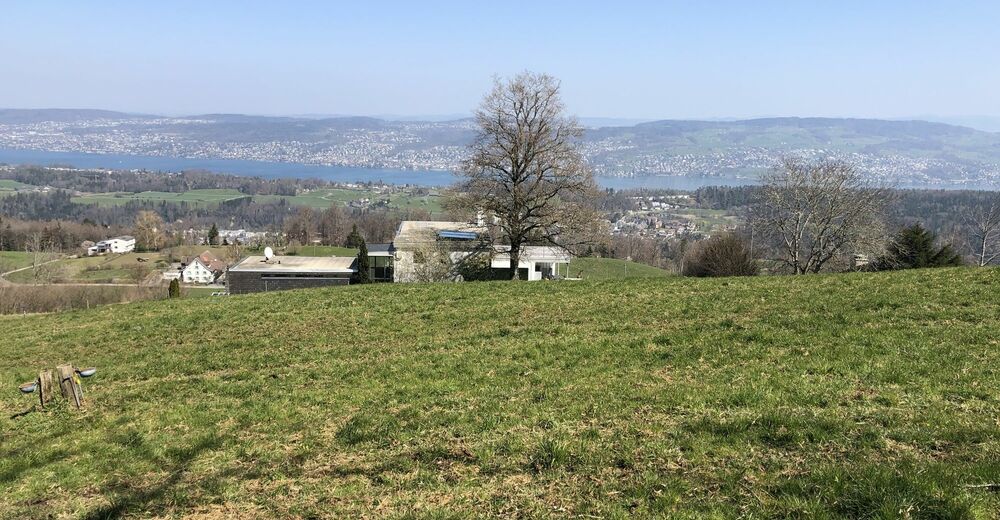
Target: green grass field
{"type": "Point", "coordinates": [321, 251]}
{"type": "Point", "coordinates": [324, 198]}
{"type": "Point", "coordinates": [117, 268]}
{"type": "Point", "coordinates": [834, 396]}
{"type": "Point", "coordinates": [611, 269]}
{"type": "Point", "coordinates": [317, 199]}
{"type": "Point", "coordinates": [9, 185]}
{"type": "Point", "coordinates": [196, 197]}
{"type": "Point", "coordinates": [709, 220]}
{"type": "Point", "coordinates": [11, 260]}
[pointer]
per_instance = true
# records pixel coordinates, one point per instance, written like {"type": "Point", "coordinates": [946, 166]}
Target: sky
{"type": "Point", "coordinates": [639, 60]}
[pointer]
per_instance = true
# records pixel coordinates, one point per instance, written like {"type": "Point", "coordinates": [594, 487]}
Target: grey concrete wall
{"type": "Point", "coordinates": [238, 282]}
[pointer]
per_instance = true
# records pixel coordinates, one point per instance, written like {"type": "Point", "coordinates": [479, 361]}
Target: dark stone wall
{"type": "Point", "coordinates": [238, 282]}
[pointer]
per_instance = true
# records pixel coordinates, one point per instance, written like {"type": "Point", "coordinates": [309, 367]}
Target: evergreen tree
{"type": "Point", "coordinates": [363, 263]}
{"type": "Point", "coordinates": [213, 235]}
{"type": "Point", "coordinates": [174, 289]}
{"type": "Point", "coordinates": [354, 239]}
{"type": "Point", "coordinates": [915, 247]}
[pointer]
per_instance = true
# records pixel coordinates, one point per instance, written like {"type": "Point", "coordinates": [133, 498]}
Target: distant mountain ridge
{"type": "Point", "coordinates": [910, 150]}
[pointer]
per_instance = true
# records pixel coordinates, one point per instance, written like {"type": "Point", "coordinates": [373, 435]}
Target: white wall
{"type": "Point", "coordinates": [197, 273]}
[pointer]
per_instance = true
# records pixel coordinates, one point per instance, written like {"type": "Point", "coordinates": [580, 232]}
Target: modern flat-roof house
{"type": "Point", "coordinates": [446, 248]}
{"type": "Point", "coordinates": [122, 244]}
{"type": "Point", "coordinates": [257, 274]}
{"type": "Point", "coordinates": [462, 242]}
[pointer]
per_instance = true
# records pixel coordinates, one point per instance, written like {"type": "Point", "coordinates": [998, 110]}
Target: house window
{"type": "Point", "coordinates": [545, 268]}
{"type": "Point", "coordinates": [381, 267]}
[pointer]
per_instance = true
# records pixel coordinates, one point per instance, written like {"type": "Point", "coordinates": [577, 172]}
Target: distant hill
{"type": "Point", "coordinates": [914, 149]}
{"type": "Point", "coordinates": [914, 152]}
{"type": "Point", "coordinates": [16, 116]}
{"type": "Point", "coordinates": [831, 396]}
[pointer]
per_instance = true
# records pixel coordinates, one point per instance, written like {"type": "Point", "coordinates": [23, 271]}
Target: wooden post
{"type": "Point", "coordinates": [69, 384]}
{"type": "Point", "coordinates": [44, 387]}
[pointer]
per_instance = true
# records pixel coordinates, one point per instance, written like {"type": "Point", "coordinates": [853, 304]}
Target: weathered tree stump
{"type": "Point", "coordinates": [44, 387]}
{"type": "Point", "coordinates": [69, 384]}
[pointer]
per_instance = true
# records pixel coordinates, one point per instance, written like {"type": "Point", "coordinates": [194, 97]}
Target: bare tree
{"type": "Point", "coordinates": [984, 224]}
{"type": "Point", "coordinates": [525, 168]}
{"type": "Point", "coordinates": [332, 225]}
{"type": "Point", "coordinates": [234, 251]}
{"type": "Point", "coordinates": [149, 229]}
{"type": "Point", "coordinates": [301, 227]}
{"type": "Point", "coordinates": [814, 212]}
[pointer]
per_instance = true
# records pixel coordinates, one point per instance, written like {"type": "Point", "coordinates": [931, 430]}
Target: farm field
{"type": "Point", "coordinates": [11, 260]}
{"type": "Point", "coordinates": [196, 197]}
{"type": "Point", "coordinates": [833, 396]}
{"type": "Point", "coordinates": [709, 220]}
{"type": "Point", "coordinates": [10, 185]}
{"type": "Point", "coordinates": [324, 198]}
{"type": "Point", "coordinates": [118, 268]}
{"type": "Point", "coordinates": [318, 199]}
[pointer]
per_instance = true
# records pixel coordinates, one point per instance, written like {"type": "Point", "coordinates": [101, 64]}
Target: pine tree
{"type": "Point", "coordinates": [354, 239]}
{"type": "Point", "coordinates": [915, 247]}
{"type": "Point", "coordinates": [174, 289]}
{"type": "Point", "coordinates": [363, 263]}
{"type": "Point", "coordinates": [213, 235]}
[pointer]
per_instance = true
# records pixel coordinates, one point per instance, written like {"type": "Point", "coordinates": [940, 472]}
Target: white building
{"type": "Point", "coordinates": [122, 244]}
{"type": "Point", "coordinates": [535, 262]}
{"type": "Point", "coordinates": [203, 269]}
{"type": "Point", "coordinates": [462, 242]}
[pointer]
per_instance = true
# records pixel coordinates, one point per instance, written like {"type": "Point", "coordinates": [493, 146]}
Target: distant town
{"type": "Point", "coordinates": [912, 153]}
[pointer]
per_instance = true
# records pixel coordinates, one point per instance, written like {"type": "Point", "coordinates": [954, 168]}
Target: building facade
{"type": "Point", "coordinates": [117, 245]}
{"type": "Point", "coordinates": [257, 274]}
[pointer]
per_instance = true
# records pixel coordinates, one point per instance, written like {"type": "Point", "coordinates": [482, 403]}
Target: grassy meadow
{"type": "Point", "coordinates": [610, 269]}
{"type": "Point", "coordinates": [834, 396]}
{"type": "Point", "coordinates": [194, 197]}
{"type": "Point", "coordinates": [10, 186]}
{"type": "Point", "coordinates": [316, 199]}
{"type": "Point", "coordinates": [11, 260]}
{"type": "Point", "coordinates": [112, 268]}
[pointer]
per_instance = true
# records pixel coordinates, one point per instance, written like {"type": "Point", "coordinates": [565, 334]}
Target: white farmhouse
{"type": "Point", "coordinates": [203, 269]}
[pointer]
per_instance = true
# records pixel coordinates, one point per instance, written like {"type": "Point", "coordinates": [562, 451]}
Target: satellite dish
{"type": "Point", "coordinates": [268, 254]}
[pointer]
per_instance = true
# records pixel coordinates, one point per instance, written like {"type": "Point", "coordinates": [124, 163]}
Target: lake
{"type": "Point", "coordinates": [355, 174]}
{"type": "Point", "coordinates": [329, 173]}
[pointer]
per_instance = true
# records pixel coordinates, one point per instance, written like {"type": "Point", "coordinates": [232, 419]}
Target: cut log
{"type": "Point", "coordinates": [44, 387]}
{"type": "Point", "coordinates": [69, 384]}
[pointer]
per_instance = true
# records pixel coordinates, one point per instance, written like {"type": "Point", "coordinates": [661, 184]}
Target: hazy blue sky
{"type": "Point", "coordinates": [693, 59]}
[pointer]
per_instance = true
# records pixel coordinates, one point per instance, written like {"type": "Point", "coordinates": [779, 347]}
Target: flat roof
{"type": "Point", "coordinates": [295, 264]}
{"type": "Point", "coordinates": [533, 254]}
{"type": "Point", "coordinates": [380, 250]}
{"type": "Point", "coordinates": [420, 232]}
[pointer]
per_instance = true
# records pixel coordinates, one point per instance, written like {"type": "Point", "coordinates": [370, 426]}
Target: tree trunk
{"type": "Point", "coordinates": [69, 385]}
{"type": "Point", "coordinates": [515, 259]}
{"type": "Point", "coordinates": [44, 387]}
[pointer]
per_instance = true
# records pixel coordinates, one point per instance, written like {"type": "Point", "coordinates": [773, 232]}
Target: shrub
{"type": "Point", "coordinates": [723, 255]}
{"type": "Point", "coordinates": [174, 290]}
{"type": "Point", "coordinates": [364, 265]}
{"type": "Point", "coordinates": [354, 238]}
{"type": "Point", "coordinates": [915, 247]}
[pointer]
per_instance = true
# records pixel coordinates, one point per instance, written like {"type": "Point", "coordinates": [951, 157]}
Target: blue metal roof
{"type": "Point", "coordinates": [457, 235]}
